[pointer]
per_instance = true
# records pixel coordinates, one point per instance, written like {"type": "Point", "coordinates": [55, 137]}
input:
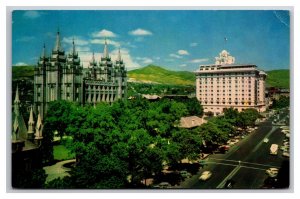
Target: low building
{"type": "Point", "coordinates": [191, 122]}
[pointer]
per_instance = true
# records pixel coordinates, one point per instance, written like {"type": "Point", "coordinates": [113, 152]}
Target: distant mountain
{"type": "Point", "coordinates": [157, 74]}
{"type": "Point", "coordinates": [278, 78]}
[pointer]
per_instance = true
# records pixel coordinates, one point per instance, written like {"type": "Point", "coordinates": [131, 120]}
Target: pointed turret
{"type": "Point", "coordinates": [30, 131]}
{"type": "Point", "coordinates": [17, 102]}
{"type": "Point", "coordinates": [105, 51]}
{"type": "Point", "coordinates": [93, 62]}
{"type": "Point", "coordinates": [57, 43]}
{"type": "Point", "coordinates": [43, 55]}
{"type": "Point", "coordinates": [74, 50]}
{"type": "Point", "coordinates": [119, 55]}
{"type": "Point", "coordinates": [38, 128]}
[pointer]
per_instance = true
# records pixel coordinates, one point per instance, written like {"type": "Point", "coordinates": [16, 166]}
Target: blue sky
{"type": "Point", "coordinates": [177, 40]}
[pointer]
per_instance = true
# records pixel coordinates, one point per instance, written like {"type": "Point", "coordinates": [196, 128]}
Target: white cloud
{"type": "Point", "coordinates": [183, 65]}
{"type": "Point", "coordinates": [183, 52]}
{"type": "Point", "coordinates": [32, 14]}
{"type": "Point", "coordinates": [157, 58]}
{"type": "Point", "coordinates": [104, 33]}
{"type": "Point", "coordinates": [175, 56]}
{"type": "Point", "coordinates": [169, 60]}
{"type": "Point", "coordinates": [126, 57]}
{"type": "Point", "coordinates": [78, 40]}
{"type": "Point", "coordinates": [199, 60]}
{"type": "Point", "coordinates": [102, 41]}
{"type": "Point", "coordinates": [25, 39]}
{"type": "Point", "coordinates": [140, 32]}
{"type": "Point", "coordinates": [145, 60]}
{"type": "Point", "coordinates": [86, 57]}
{"type": "Point", "coordinates": [21, 64]}
{"type": "Point", "coordinates": [193, 44]}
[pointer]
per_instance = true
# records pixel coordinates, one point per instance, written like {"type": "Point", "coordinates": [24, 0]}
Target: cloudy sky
{"type": "Point", "coordinates": [177, 40]}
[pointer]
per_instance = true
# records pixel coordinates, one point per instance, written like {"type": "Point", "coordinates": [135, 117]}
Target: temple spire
{"type": "Point", "coordinates": [38, 128]}
{"type": "Point", "coordinates": [44, 51]}
{"type": "Point", "coordinates": [57, 42]}
{"type": "Point", "coordinates": [119, 55]}
{"type": "Point", "coordinates": [74, 50]}
{"type": "Point", "coordinates": [105, 51]}
{"type": "Point", "coordinates": [30, 125]}
{"type": "Point", "coordinates": [17, 102]}
{"type": "Point", "coordinates": [93, 58]}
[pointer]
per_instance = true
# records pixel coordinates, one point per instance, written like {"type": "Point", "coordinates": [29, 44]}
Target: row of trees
{"type": "Point", "coordinates": [119, 145]}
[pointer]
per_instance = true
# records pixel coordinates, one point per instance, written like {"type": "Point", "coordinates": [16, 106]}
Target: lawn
{"type": "Point", "coordinates": [60, 152]}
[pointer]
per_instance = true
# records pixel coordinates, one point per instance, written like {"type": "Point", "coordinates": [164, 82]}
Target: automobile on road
{"type": "Point", "coordinates": [266, 140]}
{"type": "Point", "coordinates": [272, 172]}
{"type": "Point", "coordinates": [205, 175]}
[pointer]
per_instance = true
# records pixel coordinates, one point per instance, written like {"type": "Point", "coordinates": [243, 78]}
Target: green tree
{"type": "Point", "coordinates": [247, 118]}
{"type": "Point", "coordinates": [58, 115]}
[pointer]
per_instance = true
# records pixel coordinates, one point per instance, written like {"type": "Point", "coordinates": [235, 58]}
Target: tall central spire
{"type": "Point", "coordinates": [119, 55]}
{"type": "Point", "coordinates": [57, 42]}
{"type": "Point", "coordinates": [105, 51]}
{"type": "Point", "coordinates": [44, 51]}
{"type": "Point", "coordinates": [74, 50]}
{"type": "Point", "coordinates": [17, 102]}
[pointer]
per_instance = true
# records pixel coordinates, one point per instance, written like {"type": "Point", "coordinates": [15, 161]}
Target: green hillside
{"type": "Point", "coordinates": [156, 74]}
{"type": "Point", "coordinates": [160, 75]}
{"type": "Point", "coordinates": [278, 78]}
{"type": "Point", "coordinates": [22, 72]}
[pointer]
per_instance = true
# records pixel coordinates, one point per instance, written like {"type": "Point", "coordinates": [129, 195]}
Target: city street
{"type": "Point", "coordinates": [246, 162]}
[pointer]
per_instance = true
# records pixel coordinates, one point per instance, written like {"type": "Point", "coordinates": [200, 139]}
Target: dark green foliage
{"type": "Point", "coordinates": [120, 145]}
{"type": "Point", "coordinates": [282, 102]}
{"type": "Point", "coordinates": [59, 183]}
{"type": "Point", "coordinates": [30, 179]}
{"type": "Point", "coordinates": [247, 118]}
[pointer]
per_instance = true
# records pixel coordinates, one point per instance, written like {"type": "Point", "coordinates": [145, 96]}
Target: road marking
{"type": "Point", "coordinates": [265, 165]}
{"type": "Point", "coordinates": [261, 142]}
{"type": "Point", "coordinates": [233, 172]}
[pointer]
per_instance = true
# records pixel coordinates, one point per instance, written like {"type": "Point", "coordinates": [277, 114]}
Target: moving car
{"type": "Point", "coordinates": [266, 140]}
{"type": "Point", "coordinates": [205, 175]}
{"type": "Point", "coordinates": [272, 172]}
{"type": "Point", "coordinates": [229, 184]}
{"type": "Point", "coordinates": [274, 149]}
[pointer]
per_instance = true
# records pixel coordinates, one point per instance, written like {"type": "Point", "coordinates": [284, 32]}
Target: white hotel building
{"type": "Point", "coordinates": [225, 84]}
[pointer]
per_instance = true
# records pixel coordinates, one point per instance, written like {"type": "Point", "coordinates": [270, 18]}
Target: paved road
{"type": "Point", "coordinates": [245, 163]}
{"type": "Point", "coordinates": [57, 170]}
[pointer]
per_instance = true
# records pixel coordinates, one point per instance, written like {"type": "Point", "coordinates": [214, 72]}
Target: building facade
{"type": "Point", "coordinates": [62, 77]}
{"type": "Point", "coordinates": [228, 85]}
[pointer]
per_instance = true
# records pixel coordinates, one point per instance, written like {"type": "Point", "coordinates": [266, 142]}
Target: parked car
{"type": "Point", "coordinates": [205, 175]}
{"type": "Point", "coordinates": [272, 172]}
{"type": "Point", "coordinates": [164, 185]}
{"type": "Point", "coordinates": [286, 154]}
{"type": "Point", "coordinates": [185, 174]}
{"type": "Point", "coordinates": [224, 148]}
